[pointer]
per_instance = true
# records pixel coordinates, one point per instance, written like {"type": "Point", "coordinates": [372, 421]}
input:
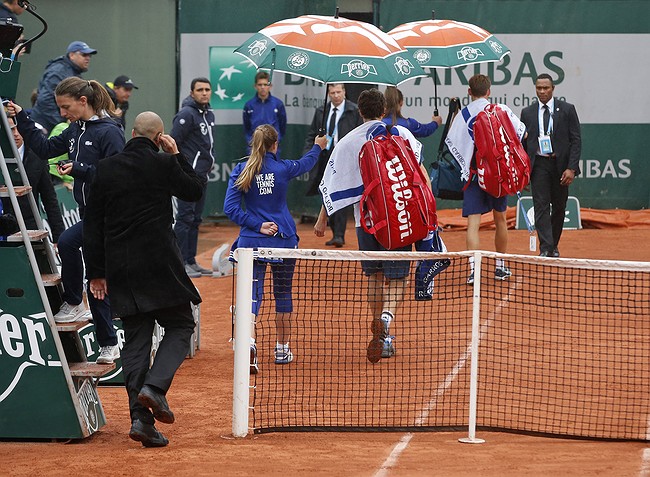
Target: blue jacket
{"type": "Point", "coordinates": [193, 131]}
{"type": "Point", "coordinates": [266, 200]}
{"type": "Point", "coordinates": [6, 14]}
{"type": "Point", "coordinates": [86, 142]}
{"type": "Point", "coordinates": [46, 112]}
{"type": "Point", "coordinates": [416, 128]}
{"type": "Point", "coordinates": [258, 112]}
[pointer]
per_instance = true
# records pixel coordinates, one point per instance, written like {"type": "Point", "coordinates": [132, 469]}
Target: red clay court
{"type": "Point", "coordinates": [201, 442]}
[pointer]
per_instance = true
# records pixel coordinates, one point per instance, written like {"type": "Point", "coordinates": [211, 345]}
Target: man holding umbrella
{"type": "Point", "coordinates": [342, 117]}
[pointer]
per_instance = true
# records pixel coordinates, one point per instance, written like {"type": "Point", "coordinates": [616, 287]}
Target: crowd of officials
{"type": "Point", "coordinates": [124, 191]}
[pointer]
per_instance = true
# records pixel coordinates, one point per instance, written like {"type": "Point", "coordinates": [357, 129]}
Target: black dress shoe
{"type": "Point", "coordinates": [556, 252]}
{"type": "Point", "coordinates": [330, 243]}
{"type": "Point", "coordinates": [545, 253]}
{"type": "Point", "coordinates": [338, 242]}
{"type": "Point", "coordinates": [157, 402]}
{"type": "Point", "coordinates": [147, 434]}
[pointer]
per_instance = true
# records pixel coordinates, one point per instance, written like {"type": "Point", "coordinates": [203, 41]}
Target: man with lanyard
{"type": "Point", "coordinates": [553, 145]}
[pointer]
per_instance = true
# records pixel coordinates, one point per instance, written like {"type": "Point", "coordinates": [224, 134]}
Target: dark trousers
{"type": "Point", "coordinates": [338, 221]}
{"type": "Point", "coordinates": [72, 276]}
{"type": "Point", "coordinates": [549, 201]}
{"type": "Point", "coordinates": [188, 218]}
{"type": "Point", "coordinates": [178, 323]}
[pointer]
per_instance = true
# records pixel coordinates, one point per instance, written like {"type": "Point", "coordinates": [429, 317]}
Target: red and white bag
{"type": "Point", "coordinates": [397, 202]}
{"type": "Point", "coordinates": [502, 165]}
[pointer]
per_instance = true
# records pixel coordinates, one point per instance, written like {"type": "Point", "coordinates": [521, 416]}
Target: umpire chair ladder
{"type": "Point", "coordinates": [48, 389]}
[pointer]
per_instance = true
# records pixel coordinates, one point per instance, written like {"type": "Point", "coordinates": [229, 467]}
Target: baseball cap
{"type": "Point", "coordinates": [124, 81]}
{"type": "Point", "coordinates": [80, 46]}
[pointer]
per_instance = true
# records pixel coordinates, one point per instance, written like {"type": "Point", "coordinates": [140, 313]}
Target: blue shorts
{"type": "Point", "coordinates": [477, 201]}
{"type": "Point", "coordinates": [392, 269]}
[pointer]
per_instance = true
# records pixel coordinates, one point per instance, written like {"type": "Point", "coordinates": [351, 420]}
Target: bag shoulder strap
{"type": "Point", "coordinates": [454, 107]}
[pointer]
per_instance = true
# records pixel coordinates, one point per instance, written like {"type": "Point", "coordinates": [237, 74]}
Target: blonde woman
{"type": "Point", "coordinates": [261, 182]}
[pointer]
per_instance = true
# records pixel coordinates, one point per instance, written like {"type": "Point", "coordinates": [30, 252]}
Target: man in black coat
{"type": "Point", "coordinates": [131, 250]}
{"type": "Point", "coordinates": [342, 117]}
{"type": "Point", "coordinates": [554, 145]}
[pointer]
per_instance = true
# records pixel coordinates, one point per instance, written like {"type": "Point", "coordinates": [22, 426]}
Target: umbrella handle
{"type": "Point", "coordinates": [272, 66]}
{"type": "Point", "coordinates": [435, 94]}
{"type": "Point", "coordinates": [322, 131]}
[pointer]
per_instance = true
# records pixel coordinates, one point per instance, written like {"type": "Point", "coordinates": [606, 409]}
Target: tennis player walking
{"type": "Point", "coordinates": [341, 186]}
{"type": "Point", "coordinates": [262, 182]}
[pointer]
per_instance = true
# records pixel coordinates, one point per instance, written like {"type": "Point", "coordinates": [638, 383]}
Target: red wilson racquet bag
{"type": "Point", "coordinates": [397, 205]}
{"type": "Point", "coordinates": [502, 165]}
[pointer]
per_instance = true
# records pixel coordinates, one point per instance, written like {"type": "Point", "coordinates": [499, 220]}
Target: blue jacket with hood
{"type": "Point", "coordinates": [46, 112]}
{"type": "Point", "coordinates": [86, 142]}
{"type": "Point", "coordinates": [193, 131]}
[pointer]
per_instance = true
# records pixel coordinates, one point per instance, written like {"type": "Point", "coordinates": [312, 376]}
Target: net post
{"type": "Point", "coordinates": [476, 331]}
{"type": "Point", "coordinates": [243, 332]}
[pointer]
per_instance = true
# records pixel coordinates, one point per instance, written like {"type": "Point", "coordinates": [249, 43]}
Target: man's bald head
{"type": "Point", "coordinates": [148, 124]}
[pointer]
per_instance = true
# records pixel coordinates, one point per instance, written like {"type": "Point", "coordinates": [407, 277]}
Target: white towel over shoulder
{"type": "Point", "coordinates": [460, 138]}
{"type": "Point", "coordinates": [342, 184]}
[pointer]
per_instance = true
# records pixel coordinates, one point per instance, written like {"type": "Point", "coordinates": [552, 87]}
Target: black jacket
{"type": "Point", "coordinates": [193, 131]}
{"type": "Point", "coordinates": [128, 236]}
{"type": "Point", "coordinates": [565, 137]}
{"type": "Point", "coordinates": [85, 142]}
{"type": "Point", "coordinates": [38, 175]}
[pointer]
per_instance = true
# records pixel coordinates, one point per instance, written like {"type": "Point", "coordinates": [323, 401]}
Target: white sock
{"type": "Point", "coordinates": [500, 263]}
{"type": "Point", "coordinates": [471, 264]}
{"type": "Point", "coordinates": [387, 316]}
{"type": "Point", "coordinates": [282, 347]}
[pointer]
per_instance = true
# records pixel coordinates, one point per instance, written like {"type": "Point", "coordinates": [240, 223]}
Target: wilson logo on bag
{"type": "Point", "coordinates": [502, 165]}
{"type": "Point", "coordinates": [397, 206]}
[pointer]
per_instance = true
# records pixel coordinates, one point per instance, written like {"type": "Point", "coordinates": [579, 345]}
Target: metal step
{"type": "Point", "coordinates": [50, 279]}
{"type": "Point", "coordinates": [34, 236]}
{"type": "Point", "coordinates": [19, 190]}
{"type": "Point", "coordinates": [74, 326]}
{"type": "Point", "coordinates": [90, 369]}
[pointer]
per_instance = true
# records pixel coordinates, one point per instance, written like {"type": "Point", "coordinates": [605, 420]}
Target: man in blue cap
{"type": "Point", "coordinates": [73, 63]}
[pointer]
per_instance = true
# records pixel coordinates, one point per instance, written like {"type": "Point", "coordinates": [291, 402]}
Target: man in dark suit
{"type": "Point", "coordinates": [342, 117]}
{"type": "Point", "coordinates": [553, 144]}
{"type": "Point", "coordinates": [128, 222]}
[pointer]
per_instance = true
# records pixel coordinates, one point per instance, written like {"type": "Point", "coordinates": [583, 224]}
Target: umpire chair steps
{"type": "Point", "coordinates": [47, 386]}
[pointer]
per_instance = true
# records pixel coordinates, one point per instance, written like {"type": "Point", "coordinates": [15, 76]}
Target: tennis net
{"type": "Point", "coordinates": [561, 347]}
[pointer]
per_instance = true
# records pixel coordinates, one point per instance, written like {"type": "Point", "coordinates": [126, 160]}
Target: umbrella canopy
{"type": "Point", "coordinates": [448, 43]}
{"type": "Point", "coordinates": [330, 50]}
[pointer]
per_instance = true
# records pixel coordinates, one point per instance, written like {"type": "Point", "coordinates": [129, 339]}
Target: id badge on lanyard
{"type": "Point", "coordinates": [545, 146]}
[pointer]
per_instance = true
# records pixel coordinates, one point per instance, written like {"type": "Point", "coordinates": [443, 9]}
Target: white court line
{"type": "Point", "coordinates": [645, 463]}
{"type": "Point", "coordinates": [403, 443]}
{"type": "Point", "coordinates": [645, 456]}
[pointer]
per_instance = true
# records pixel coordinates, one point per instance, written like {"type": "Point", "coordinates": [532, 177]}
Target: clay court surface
{"type": "Point", "coordinates": [201, 397]}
